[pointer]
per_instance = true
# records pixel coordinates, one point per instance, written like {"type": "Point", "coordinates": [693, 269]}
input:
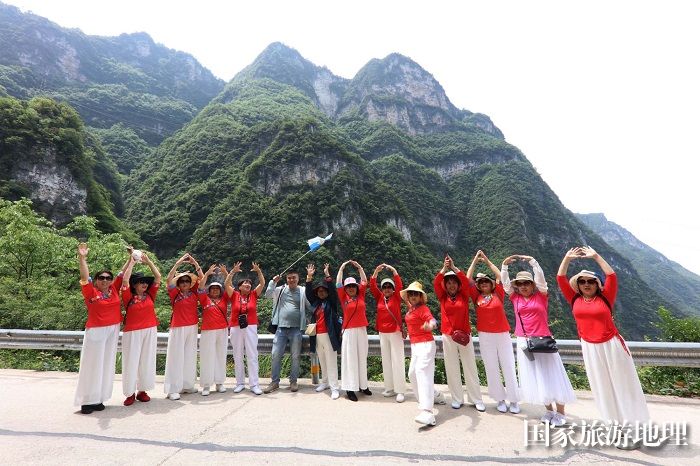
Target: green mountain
{"type": "Point", "coordinates": [678, 286]}
{"type": "Point", "coordinates": [127, 80]}
{"type": "Point", "coordinates": [46, 155]}
{"type": "Point", "coordinates": [288, 151]}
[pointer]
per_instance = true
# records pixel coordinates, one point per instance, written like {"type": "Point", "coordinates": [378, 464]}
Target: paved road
{"type": "Point", "coordinates": [38, 425]}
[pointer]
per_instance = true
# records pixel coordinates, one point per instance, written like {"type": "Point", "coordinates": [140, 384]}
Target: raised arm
{"type": "Point", "coordinates": [398, 283]}
{"type": "Point", "coordinates": [537, 273]}
{"type": "Point", "coordinates": [505, 278]}
{"type": "Point", "coordinates": [270, 290]}
{"type": "Point", "coordinates": [310, 271]}
{"type": "Point", "coordinates": [588, 252]}
{"type": "Point", "coordinates": [360, 270]}
{"type": "Point", "coordinates": [82, 263]}
{"type": "Point", "coordinates": [127, 272]}
{"type": "Point", "coordinates": [494, 269]}
{"type": "Point", "coordinates": [261, 278]}
{"type": "Point", "coordinates": [571, 254]}
{"type": "Point", "coordinates": [154, 270]}
{"type": "Point", "coordinates": [228, 282]}
{"type": "Point", "coordinates": [198, 269]}
{"type": "Point", "coordinates": [472, 266]}
{"type": "Point", "coordinates": [173, 271]}
{"type": "Point", "coordinates": [339, 277]}
{"type": "Point", "coordinates": [204, 277]}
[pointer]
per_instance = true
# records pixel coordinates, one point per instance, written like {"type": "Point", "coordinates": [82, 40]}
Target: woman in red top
{"type": "Point", "coordinates": [452, 290]}
{"type": "Point", "coordinates": [181, 357]}
{"type": "Point", "coordinates": [609, 366]}
{"type": "Point", "coordinates": [99, 353]}
{"type": "Point", "coordinates": [213, 342]}
{"type": "Point", "coordinates": [420, 324]}
{"type": "Point", "coordinates": [389, 327]}
{"type": "Point", "coordinates": [139, 338]}
{"type": "Point", "coordinates": [244, 302]}
{"type": "Point", "coordinates": [354, 349]}
{"type": "Point", "coordinates": [495, 344]}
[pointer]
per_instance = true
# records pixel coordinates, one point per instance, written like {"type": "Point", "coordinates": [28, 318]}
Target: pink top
{"type": "Point", "coordinates": [533, 312]}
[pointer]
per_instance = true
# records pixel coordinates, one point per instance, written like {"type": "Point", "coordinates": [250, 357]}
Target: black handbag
{"type": "Point", "coordinates": [543, 344]}
{"type": "Point", "coordinates": [243, 315]}
{"type": "Point", "coordinates": [242, 320]}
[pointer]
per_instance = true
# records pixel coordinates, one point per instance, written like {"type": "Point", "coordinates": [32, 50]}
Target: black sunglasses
{"type": "Point", "coordinates": [590, 281]}
{"type": "Point", "coordinates": [104, 277]}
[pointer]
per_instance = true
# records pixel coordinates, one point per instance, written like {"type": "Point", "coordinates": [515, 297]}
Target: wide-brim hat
{"type": "Point", "coordinates": [350, 281]}
{"type": "Point", "coordinates": [523, 276]}
{"type": "Point", "coordinates": [138, 277]}
{"type": "Point", "coordinates": [584, 273]}
{"type": "Point", "coordinates": [415, 286]}
{"type": "Point", "coordinates": [482, 277]}
{"type": "Point", "coordinates": [194, 278]}
{"type": "Point", "coordinates": [451, 275]}
{"type": "Point", "coordinates": [389, 281]}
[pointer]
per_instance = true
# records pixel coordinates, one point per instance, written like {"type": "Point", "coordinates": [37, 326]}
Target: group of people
{"type": "Point", "coordinates": [337, 321]}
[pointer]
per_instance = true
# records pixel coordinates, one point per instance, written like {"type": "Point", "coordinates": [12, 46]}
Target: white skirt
{"type": "Point", "coordinates": [614, 381]}
{"type": "Point", "coordinates": [543, 380]}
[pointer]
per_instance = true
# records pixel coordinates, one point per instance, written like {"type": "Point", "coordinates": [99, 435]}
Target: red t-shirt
{"type": "Point", "coordinates": [454, 312]}
{"type": "Point", "coordinates": [490, 314]}
{"type": "Point", "coordinates": [184, 306]}
{"type": "Point", "coordinates": [385, 322]}
{"type": "Point", "coordinates": [354, 309]}
{"type": "Point", "coordinates": [593, 319]}
{"type": "Point", "coordinates": [213, 313]}
{"type": "Point", "coordinates": [414, 322]}
{"type": "Point", "coordinates": [320, 320]}
{"type": "Point", "coordinates": [103, 309]}
{"type": "Point", "coordinates": [140, 312]}
{"type": "Point", "coordinates": [245, 304]}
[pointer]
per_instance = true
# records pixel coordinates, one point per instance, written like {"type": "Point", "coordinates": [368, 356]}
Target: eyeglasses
{"type": "Point", "coordinates": [590, 281]}
{"type": "Point", "coordinates": [104, 277]}
{"type": "Point", "coordinates": [521, 283]}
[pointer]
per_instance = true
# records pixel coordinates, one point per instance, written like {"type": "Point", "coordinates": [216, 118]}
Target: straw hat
{"type": "Point", "coordinates": [415, 286]}
{"type": "Point", "coordinates": [482, 276]}
{"type": "Point", "coordinates": [584, 273]}
{"type": "Point", "coordinates": [524, 276]}
{"type": "Point", "coordinates": [389, 281]}
{"type": "Point", "coordinates": [192, 276]}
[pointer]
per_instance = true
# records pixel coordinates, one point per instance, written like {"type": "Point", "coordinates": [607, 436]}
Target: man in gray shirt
{"type": "Point", "coordinates": [289, 314]}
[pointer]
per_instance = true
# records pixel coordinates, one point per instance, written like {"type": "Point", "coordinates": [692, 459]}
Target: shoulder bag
{"type": "Point", "coordinates": [541, 344]}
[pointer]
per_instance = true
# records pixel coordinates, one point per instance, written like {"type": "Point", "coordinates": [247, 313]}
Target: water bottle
{"type": "Point", "coordinates": [315, 369]}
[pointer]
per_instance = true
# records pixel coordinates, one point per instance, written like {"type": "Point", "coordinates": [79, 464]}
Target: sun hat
{"type": "Point", "coordinates": [389, 281]}
{"type": "Point", "coordinates": [193, 278]}
{"type": "Point", "coordinates": [450, 274]}
{"type": "Point", "coordinates": [350, 281]}
{"type": "Point", "coordinates": [221, 287]}
{"type": "Point", "coordinates": [323, 285]}
{"type": "Point", "coordinates": [138, 277]}
{"type": "Point", "coordinates": [523, 276]}
{"type": "Point", "coordinates": [482, 276]}
{"type": "Point", "coordinates": [584, 273]}
{"type": "Point", "coordinates": [415, 286]}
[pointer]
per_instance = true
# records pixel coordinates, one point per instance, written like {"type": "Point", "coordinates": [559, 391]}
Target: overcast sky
{"type": "Point", "coordinates": [601, 96]}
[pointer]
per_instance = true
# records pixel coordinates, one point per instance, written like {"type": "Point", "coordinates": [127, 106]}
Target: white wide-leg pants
{"type": "Point", "coordinates": [97, 363]}
{"type": "Point", "coordinates": [421, 373]}
{"type": "Point", "coordinates": [213, 347]}
{"type": "Point", "coordinates": [181, 359]}
{"type": "Point", "coordinates": [454, 353]}
{"type": "Point", "coordinates": [353, 359]}
{"type": "Point", "coordinates": [393, 361]}
{"type": "Point", "coordinates": [139, 360]}
{"type": "Point", "coordinates": [245, 340]}
{"type": "Point", "coordinates": [497, 354]}
{"type": "Point", "coordinates": [328, 358]}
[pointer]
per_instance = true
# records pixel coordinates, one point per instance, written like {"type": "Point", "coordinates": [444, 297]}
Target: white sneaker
{"type": "Point", "coordinates": [558, 420]}
{"type": "Point", "coordinates": [547, 416]}
{"type": "Point", "coordinates": [256, 390]}
{"type": "Point", "coordinates": [205, 391]}
{"type": "Point", "coordinates": [501, 407]}
{"type": "Point", "coordinates": [220, 388]}
{"type": "Point", "coordinates": [174, 396]}
{"type": "Point", "coordinates": [514, 408]}
{"type": "Point", "coordinates": [479, 405]}
{"type": "Point", "coordinates": [189, 390]}
{"type": "Point", "coordinates": [439, 398]}
{"type": "Point", "coordinates": [322, 387]}
{"type": "Point", "coordinates": [400, 398]}
{"type": "Point", "coordinates": [388, 393]}
{"type": "Point", "coordinates": [238, 388]}
{"type": "Point", "coordinates": [425, 418]}
{"type": "Point", "coordinates": [335, 394]}
{"type": "Point", "coordinates": [456, 405]}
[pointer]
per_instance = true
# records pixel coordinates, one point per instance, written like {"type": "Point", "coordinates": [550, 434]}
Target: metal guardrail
{"type": "Point", "coordinates": [644, 353]}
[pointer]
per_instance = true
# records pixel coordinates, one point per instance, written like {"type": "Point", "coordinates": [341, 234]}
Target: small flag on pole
{"type": "Point", "coordinates": [317, 242]}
